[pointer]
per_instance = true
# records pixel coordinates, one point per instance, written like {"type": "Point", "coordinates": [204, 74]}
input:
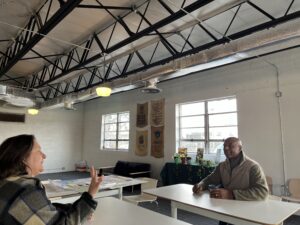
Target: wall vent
{"type": "Point", "coordinates": [12, 117]}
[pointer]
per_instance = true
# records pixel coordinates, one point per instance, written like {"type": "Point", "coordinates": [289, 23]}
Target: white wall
{"type": "Point", "coordinates": [252, 82]}
{"type": "Point", "coordinates": [59, 133]}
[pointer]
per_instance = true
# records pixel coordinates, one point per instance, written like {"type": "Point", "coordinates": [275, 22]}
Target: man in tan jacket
{"type": "Point", "coordinates": [238, 177]}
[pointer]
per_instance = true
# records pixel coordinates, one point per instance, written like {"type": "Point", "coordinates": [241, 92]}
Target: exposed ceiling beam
{"type": "Point", "coordinates": [224, 40]}
{"type": "Point", "coordinates": [17, 51]}
{"type": "Point", "coordinates": [175, 16]}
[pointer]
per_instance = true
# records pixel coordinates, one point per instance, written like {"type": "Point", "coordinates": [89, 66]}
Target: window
{"type": "Point", "coordinates": [205, 124]}
{"type": "Point", "coordinates": [115, 131]}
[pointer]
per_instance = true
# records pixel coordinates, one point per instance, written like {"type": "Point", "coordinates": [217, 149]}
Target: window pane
{"type": "Point", "coordinates": [110, 144]}
{"type": "Point", "coordinates": [123, 117]}
{"type": "Point", "coordinates": [192, 133]}
{"type": "Point", "coordinates": [192, 121]}
{"type": "Point", "coordinates": [224, 105]}
{"type": "Point", "coordinates": [191, 146]}
{"type": "Point", "coordinates": [110, 135]}
{"type": "Point", "coordinates": [110, 127]}
{"type": "Point", "coordinates": [123, 135]}
{"type": "Point", "coordinates": [192, 109]}
{"type": "Point", "coordinates": [214, 146]}
{"type": "Point", "coordinates": [222, 132]}
{"type": "Point", "coordinates": [110, 118]}
{"type": "Point", "coordinates": [123, 145]}
{"type": "Point", "coordinates": [223, 119]}
{"type": "Point", "coordinates": [123, 126]}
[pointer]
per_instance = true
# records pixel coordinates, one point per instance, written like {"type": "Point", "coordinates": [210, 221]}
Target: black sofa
{"type": "Point", "coordinates": [130, 169]}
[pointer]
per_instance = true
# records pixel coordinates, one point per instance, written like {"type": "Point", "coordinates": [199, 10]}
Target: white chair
{"type": "Point", "coordinates": [136, 199]}
{"type": "Point", "coordinates": [294, 191]}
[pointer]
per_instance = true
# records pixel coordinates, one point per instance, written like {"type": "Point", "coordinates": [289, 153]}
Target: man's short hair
{"type": "Point", "coordinates": [234, 140]}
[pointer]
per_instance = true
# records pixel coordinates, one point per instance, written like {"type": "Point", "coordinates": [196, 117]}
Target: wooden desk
{"type": "Point", "coordinates": [111, 211]}
{"type": "Point", "coordinates": [269, 212]}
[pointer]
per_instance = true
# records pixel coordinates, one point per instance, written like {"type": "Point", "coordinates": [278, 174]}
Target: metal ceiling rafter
{"type": "Point", "coordinates": [13, 79]}
{"type": "Point", "coordinates": [103, 7]}
{"type": "Point", "coordinates": [223, 40]}
{"type": "Point", "coordinates": [175, 16]}
{"type": "Point", "coordinates": [50, 69]}
{"type": "Point", "coordinates": [168, 46]}
{"type": "Point", "coordinates": [118, 19]}
{"type": "Point", "coordinates": [25, 41]}
{"type": "Point", "coordinates": [40, 57]}
{"type": "Point", "coordinates": [261, 10]}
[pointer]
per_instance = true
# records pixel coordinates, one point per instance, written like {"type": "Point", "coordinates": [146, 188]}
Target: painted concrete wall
{"type": "Point", "coordinates": [59, 133]}
{"type": "Point", "coordinates": [267, 125]}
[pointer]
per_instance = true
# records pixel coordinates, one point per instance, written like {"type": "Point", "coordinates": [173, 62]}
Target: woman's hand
{"type": "Point", "coordinates": [95, 182]}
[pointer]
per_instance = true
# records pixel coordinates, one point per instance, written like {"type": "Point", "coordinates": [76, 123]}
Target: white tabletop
{"type": "Point", "coordinates": [112, 211]}
{"type": "Point", "coordinates": [112, 185]}
{"type": "Point", "coordinates": [260, 212]}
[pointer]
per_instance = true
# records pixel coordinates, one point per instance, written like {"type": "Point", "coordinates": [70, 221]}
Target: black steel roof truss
{"type": "Point", "coordinates": [290, 6]}
{"type": "Point", "coordinates": [234, 16]}
{"type": "Point", "coordinates": [13, 79]}
{"type": "Point", "coordinates": [186, 40]}
{"type": "Point", "coordinates": [5, 40]}
{"type": "Point", "coordinates": [78, 82]}
{"type": "Point", "coordinates": [166, 6]}
{"type": "Point", "coordinates": [86, 50]}
{"type": "Point", "coordinates": [110, 37]}
{"type": "Point", "coordinates": [144, 13]}
{"type": "Point", "coordinates": [107, 71]}
{"type": "Point", "coordinates": [103, 7]}
{"type": "Point", "coordinates": [141, 58]}
{"type": "Point", "coordinates": [43, 57]}
{"type": "Point", "coordinates": [32, 35]}
{"type": "Point", "coordinates": [119, 19]}
{"type": "Point", "coordinates": [223, 40]}
{"type": "Point", "coordinates": [261, 10]}
{"type": "Point", "coordinates": [57, 90]}
{"type": "Point", "coordinates": [99, 43]}
{"type": "Point", "coordinates": [168, 46]}
{"type": "Point", "coordinates": [153, 52]}
{"type": "Point", "coordinates": [67, 88]}
{"type": "Point", "coordinates": [40, 57]}
{"type": "Point", "coordinates": [190, 8]}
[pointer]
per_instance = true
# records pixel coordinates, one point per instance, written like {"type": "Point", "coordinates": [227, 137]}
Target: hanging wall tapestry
{"type": "Point", "coordinates": [157, 142]}
{"type": "Point", "coordinates": [157, 112]}
{"type": "Point", "coordinates": [141, 148]}
{"type": "Point", "coordinates": [142, 115]}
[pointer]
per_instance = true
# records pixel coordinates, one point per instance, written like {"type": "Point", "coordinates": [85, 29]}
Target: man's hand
{"type": "Point", "coordinates": [221, 193]}
{"type": "Point", "coordinates": [197, 188]}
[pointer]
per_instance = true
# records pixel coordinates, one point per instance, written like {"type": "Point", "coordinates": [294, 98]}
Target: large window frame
{"type": "Point", "coordinates": [203, 139]}
{"type": "Point", "coordinates": [106, 127]}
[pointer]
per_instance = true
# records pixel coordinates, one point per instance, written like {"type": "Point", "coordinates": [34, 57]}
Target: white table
{"type": "Point", "coordinates": [111, 211]}
{"type": "Point", "coordinates": [269, 212]}
{"type": "Point", "coordinates": [112, 186]}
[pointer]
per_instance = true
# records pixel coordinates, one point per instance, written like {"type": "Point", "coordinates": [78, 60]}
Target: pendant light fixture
{"type": "Point", "coordinates": [104, 90]}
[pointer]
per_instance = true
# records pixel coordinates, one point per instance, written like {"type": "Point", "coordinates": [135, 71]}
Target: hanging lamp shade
{"type": "Point", "coordinates": [33, 111]}
{"type": "Point", "coordinates": [103, 91]}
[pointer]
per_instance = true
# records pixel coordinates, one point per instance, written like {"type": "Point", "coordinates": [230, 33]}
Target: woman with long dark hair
{"type": "Point", "coordinates": [23, 198]}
